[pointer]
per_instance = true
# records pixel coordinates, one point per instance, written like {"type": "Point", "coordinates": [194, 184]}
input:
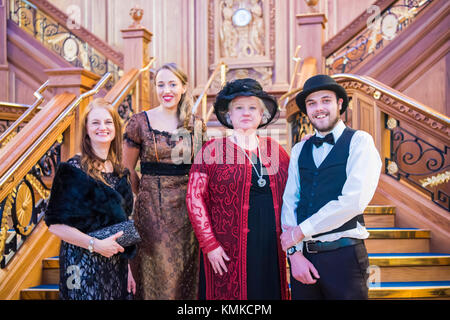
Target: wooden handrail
{"type": "Point", "coordinates": [309, 69]}
{"type": "Point", "coordinates": [406, 108]}
{"type": "Point", "coordinates": [20, 155]}
{"type": "Point", "coordinates": [32, 108]}
{"type": "Point", "coordinates": [120, 90]}
{"type": "Point", "coordinates": [222, 67]}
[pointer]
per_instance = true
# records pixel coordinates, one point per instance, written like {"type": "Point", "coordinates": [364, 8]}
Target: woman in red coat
{"type": "Point", "coordinates": [234, 200]}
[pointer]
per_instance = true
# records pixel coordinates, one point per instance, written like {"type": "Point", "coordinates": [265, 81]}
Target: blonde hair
{"type": "Point", "coordinates": [90, 162]}
{"type": "Point", "coordinates": [184, 108]}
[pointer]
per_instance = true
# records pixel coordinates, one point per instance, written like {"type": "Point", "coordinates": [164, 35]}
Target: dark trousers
{"type": "Point", "coordinates": [343, 275]}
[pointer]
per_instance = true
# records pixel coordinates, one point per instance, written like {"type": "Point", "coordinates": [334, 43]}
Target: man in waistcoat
{"type": "Point", "coordinates": [332, 178]}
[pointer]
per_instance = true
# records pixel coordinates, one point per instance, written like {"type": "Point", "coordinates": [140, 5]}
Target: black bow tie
{"type": "Point", "coordinates": [319, 141]}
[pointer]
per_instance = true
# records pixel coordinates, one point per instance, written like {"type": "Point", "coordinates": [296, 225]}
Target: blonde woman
{"type": "Point", "coordinates": [166, 265]}
{"type": "Point", "coordinates": [234, 200]}
{"type": "Point", "coordinates": [92, 191]}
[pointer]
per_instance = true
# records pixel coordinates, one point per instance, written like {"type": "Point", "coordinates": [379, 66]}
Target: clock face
{"type": "Point", "coordinates": [242, 17]}
{"type": "Point", "coordinates": [70, 49]}
{"type": "Point", "coordinates": [389, 26]}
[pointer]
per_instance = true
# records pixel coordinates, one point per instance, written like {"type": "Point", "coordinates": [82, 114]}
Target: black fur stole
{"type": "Point", "coordinates": [87, 204]}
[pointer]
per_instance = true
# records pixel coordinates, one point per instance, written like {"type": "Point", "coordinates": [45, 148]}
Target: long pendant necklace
{"type": "Point", "coordinates": [261, 180]}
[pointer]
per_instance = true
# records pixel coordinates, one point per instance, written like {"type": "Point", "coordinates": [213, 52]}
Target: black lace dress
{"type": "Point", "coordinates": [91, 276]}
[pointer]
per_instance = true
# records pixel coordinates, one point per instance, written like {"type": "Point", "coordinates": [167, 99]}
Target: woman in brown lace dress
{"type": "Point", "coordinates": [166, 265]}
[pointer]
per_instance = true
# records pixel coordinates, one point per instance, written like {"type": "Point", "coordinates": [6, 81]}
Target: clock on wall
{"type": "Point", "coordinates": [242, 17]}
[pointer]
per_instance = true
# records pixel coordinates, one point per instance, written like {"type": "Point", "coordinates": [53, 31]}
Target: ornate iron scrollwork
{"type": "Point", "coordinates": [59, 39]}
{"type": "Point", "coordinates": [415, 158]}
{"type": "Point", "coordinates": [23, 213]}
{"type": "Point", "coordinates": [23, 206]}
{"type": "Point", "coordinates": [376, 36]}
{"type": "Point", "coordinates": [125, 109]}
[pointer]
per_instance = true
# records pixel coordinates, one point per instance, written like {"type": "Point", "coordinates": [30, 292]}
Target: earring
{"type": "Point", "coordinates": [227, 118]}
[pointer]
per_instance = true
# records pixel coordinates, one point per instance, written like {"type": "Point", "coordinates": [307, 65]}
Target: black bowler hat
{"type": "Point", "coordinates": [317, 83]}
{"type": "Point", "coordinates": [243, 87]}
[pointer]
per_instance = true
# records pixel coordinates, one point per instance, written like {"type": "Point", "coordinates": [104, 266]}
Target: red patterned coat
{"type": "Point", "coordinates": [218, 203]}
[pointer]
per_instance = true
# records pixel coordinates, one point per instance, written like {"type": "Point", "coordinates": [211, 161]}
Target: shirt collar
{"type": "Point", "coordinates": [337, 130]}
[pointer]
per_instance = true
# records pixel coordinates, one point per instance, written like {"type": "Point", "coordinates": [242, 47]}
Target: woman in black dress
{"type": "Point", "coordinates": [89, 192]}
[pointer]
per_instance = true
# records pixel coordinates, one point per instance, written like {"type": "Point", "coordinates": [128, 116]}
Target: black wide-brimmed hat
{"type": "Point", "coordinates": [243, 88]}
{"type": "Point", "coordinates": [317, 83]}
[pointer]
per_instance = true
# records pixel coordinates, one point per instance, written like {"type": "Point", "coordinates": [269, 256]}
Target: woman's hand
{"type": "Point", "coordinates": [108, 247]}
{"type": "Point", "coordinates": [131, 286]}
{"type": "Point", "coordinates": [216, 257]}
{"type": "Point", "coordinates": [306, 137]}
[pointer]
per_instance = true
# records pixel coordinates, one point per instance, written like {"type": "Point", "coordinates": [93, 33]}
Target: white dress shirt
{"type": "Point", "coordinates": [363, 171]}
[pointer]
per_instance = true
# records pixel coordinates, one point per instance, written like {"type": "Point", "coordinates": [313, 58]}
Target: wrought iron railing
{"type": "Point", "coordinates": [379, 32]}
{"type": "Point", "coordinates": [25, 205]}
{"type": "Point", "coordinates": [60, 39]}
{"type": "Point", "coordinates": [417, 161]}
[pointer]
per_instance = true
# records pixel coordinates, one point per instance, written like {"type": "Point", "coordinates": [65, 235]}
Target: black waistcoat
{"type": "Point", "coordinates": [320, 185]}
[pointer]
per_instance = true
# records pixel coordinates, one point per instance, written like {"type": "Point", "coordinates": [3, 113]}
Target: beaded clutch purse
{"type": "Point", "coordinates": [130, 234]}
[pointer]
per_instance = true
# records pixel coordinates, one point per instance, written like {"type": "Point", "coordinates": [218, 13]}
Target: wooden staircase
{"type": "Point", "coordinates": [400, 260]}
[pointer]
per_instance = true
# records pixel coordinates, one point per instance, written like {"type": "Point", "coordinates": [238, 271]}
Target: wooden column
{"type": "Point", "coordinates": [76, 81]}
{"type": "Point", "coordinates": [136, 40]}
{"type": "Point", "coordinates": [4, 70]}
{"type": "Point", "coordinates": [310, 35]}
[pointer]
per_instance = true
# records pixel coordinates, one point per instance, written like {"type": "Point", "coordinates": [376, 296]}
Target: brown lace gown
{"type": "Point", "coordinates": [167, 261]}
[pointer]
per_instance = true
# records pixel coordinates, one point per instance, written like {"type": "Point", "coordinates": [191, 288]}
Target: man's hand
{"type": "Point", "coordinates": [302, 269]}
{"type": "Point", "coordinates": [291, 236]}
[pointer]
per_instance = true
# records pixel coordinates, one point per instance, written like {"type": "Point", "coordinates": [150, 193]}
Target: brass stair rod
{"type": "Point", "coordinates": [41, 138]}
{"type": "Point", "coordinates": [297, 64]}
{"type": "Point", "coordinates": [37, 103]}
{"type": "Point", "coordinates": [132, 82]}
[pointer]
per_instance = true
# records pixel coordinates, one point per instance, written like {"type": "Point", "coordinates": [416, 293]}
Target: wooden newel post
{"type": "Point", "coordinates": [76, 81]}
{"type": "Point", "coordinates": [136, 51]}
{"type": "Point", "coordinates": [310, 35]}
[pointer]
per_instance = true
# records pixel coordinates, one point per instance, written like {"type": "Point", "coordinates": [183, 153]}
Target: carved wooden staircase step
{"type": "Point", "coordinates": [384, 290]}
{"type": "Point", "coordinates": [379, 216]}
{"type": "Point", "coordinates": [403, 267]}
{"type": "Point", "coordinates": [393, 240]}
{"type": "Point", "coordinates": [42, 292]}
{"type": "Point", "coordinates": [50, 270]}
{"type": "Point", "coordinates": [411, 290]}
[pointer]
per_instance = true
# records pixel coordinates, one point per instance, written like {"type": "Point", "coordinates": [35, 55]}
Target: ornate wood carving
{"type": "Point", "coordinates": [248, 48]}
{"type": "Point", "coordinates": [402, 111]}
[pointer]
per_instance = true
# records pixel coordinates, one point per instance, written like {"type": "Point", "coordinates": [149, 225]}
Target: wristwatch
{"type": "Point", "coordinates": [91, 245]}
{"type": "Point", "coordinates": [291, 250]}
